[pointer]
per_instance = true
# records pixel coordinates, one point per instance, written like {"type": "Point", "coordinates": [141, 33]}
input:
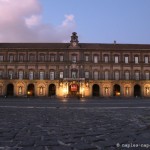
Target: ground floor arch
{"type": "Point", "coordinates": [31, 90]}
{"type": "Point", "coordinates": [10, 90]}
{"type": "Point", "coordinates": [137, 90]}
{"type": "Point", "coordinates": [95, 90]}
{"type": "Point", "coordinates": [75, 88]}
{"type": "Point", "coordinates": [52, 90]}
{"type": "Point", "coordinates": [116, 90]}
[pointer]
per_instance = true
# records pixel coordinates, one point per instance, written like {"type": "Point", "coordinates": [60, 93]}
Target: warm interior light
{"type": "Point", "coordinates": [118, 93]}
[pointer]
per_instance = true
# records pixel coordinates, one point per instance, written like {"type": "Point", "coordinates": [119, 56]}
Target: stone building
{"type": "Point", "coordinates": [70, 69]}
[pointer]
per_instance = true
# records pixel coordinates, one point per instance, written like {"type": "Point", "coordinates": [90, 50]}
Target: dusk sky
{"type": "Point", "coordinates": [95, 21]}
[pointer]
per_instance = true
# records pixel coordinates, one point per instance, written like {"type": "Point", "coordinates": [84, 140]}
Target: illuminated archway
{"type": "Point", "coordinates": [52, 90]}
{"type": "Point", "coordinates": [74, 89]}
{"type": "Point", "coordinates": [116, 90]}
{"type": "Point", "coordinates": [137, 90]}
{"type": "Point", "coordinates": [95, 90]}
{"type": "Point", "coordinates": [31, 90]}
{"type": "Point", "coordinates": [10, 90]}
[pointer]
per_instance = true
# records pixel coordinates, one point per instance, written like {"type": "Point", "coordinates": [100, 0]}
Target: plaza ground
{"type": "Point", "coordinates": [73, 124]}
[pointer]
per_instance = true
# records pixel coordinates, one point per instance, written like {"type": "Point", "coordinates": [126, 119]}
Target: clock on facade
{"type": "Point", "coordinates": [74, 44]}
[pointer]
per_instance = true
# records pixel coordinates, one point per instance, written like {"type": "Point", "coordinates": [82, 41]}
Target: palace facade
{"type": "Point", "coordinates": [70, 69]}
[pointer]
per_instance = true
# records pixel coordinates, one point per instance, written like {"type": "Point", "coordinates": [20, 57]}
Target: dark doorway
{"type": "Point", "coordinates": [52, 90]}
{"type": "Point", "coordinates": [10, 90]}
{"type": "Point", "coordinates": [95, 90]}
{"type": "Point", "coordinates": [116, 90]}
{"type": "Point", "coordinates": [137, 90]}
{"type": "Point", "coordinates": [30, 90]}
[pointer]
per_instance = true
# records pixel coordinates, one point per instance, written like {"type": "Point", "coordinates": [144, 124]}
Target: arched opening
{"type": "Point", "coordinates": [137, 90]}
{"type": "Point", "coordinates": [95, 90]}
{"type": "Point", "coordinates": [116, 90]}
{"type": "Point", "coordinates": [52, 90]}
{"type": "Point", "coordinates": [10, 90]}
{"type": "Point", "coordinates": [30, 90]}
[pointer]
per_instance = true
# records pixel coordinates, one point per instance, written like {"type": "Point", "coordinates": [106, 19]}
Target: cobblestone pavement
{"type": "Point", "coordinates": [75, 125]}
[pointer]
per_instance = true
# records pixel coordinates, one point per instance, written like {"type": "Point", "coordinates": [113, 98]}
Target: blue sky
{"type": "Point", "coordinates": [126, 21]}
{"type": "Point", "coordinates": [95, 21]}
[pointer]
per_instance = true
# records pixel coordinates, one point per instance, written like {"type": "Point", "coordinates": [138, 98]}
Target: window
{"type": "Point", "coordinates": [21, 57]}
{"type": "Point", "coordinates": [11, 58]}
{"type": "Point", "coordinates": [95, 59]}
{"type": "Point", "coordinates": [86, 74]}
{"type": "Point", "coordinates": [41, 75]}
{"type": "Point", "coordinates": [95, 75]}
{"type": "Point", "coordinates": [52, 57]}
{"type": "Point", "coordinates": [61, 58]}
{"type": "Point", "coordinates": [20, 75]}
{"type": "Point", "coordinates": [105, 59]}
{"type": "Point", "coordinates": [52, 75]}
{"type": "Point", "coordinates": [106, 74]}
{"type": "Point", "coordinates": [10, 74]}
{"type": "Point", "coordinates": [126, 59]}
{"type": "Point", "coordinates": [116, 59]}
{"type": "Point", "coordinates": [31, 57]}
{"type": "Point", "coordinates": [86, 58]}
{"type": "Point", "coordinates": [1, 74]}
{"type": "Point", "coordinates": [42, 57]}
{"type": "Point", "coordinates": [147, 75]}
{"type": "Point", "coordinates": [74, 58]}
{"type": "Point", "coordinates": [126, 75]}
{"type": "Point", "coordinates": [116, 75]}
{"type": "Point", "coordinates": [61, 75]}
{"type": "Point", "coordinates": [146, 59]}
{"type": "Point", "coordinates": [1, 58]}
{"type": "Point", "coordinates": [136, 59]}
{"type": "Point", "coordinates": [31, 75]}
{"type": "Point", "coordinates": [74, 74]}
{"type": "Point", "coordinates": [137, 75]}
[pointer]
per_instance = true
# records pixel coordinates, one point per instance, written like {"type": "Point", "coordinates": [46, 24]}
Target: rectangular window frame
{"type": "Point", "coordinates": [116, 59]}
{"type": "Point", "coordinates": [31, 75]}
{"type": "Point", "coordinates": [61, 74]}
{"type": "Point", "coordinates": [106, 59]}
{"type": "Point", "coordinates": [61, 58]}
{"type": "Point", "coordinates": [136, 59]}
{"type": "Point", "coordinates": [86, 58]}
{"type": "Point", "coordinates": [52, 75]}
{"type": "Point", "coordinates": [146, 60]}
{"type": "Point", "coordinates": [20, 75]}
{"type": "Point", "coordinates": [95, 59]}
{"type": "Point", "coordinates": [87, 74]}
{"type": "Point", "coordinates": [1, 58]}
{"type": "Point", "coordinates": [126, 59]}
{"type": "Point", "coordinates": [41, 75]}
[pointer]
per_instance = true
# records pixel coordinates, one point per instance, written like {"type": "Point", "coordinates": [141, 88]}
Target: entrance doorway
{"type": "Point", "coordinates": [95, 90]}
{"type": "Point", "coordinates": [10, 90]}
{"type": "Point", "coordinates": [52, 90]}
{"type": "Point", "coordinates": [137, 90]}
{"type": "Point", "coordinates": [116, 90]}
{"type": "Point", "coordinates": [74, 89]}
{"type": "Point", "coordinates": [30, 90]}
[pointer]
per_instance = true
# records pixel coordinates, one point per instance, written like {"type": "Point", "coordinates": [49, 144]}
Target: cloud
{"type": "Point", "coordinates": [22, 22]}
{"type": "Point", "coordinates": [68, 19]}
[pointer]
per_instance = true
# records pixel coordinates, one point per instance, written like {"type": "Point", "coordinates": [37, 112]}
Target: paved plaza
{"type": "Point", "coordinates": [72, 124]}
